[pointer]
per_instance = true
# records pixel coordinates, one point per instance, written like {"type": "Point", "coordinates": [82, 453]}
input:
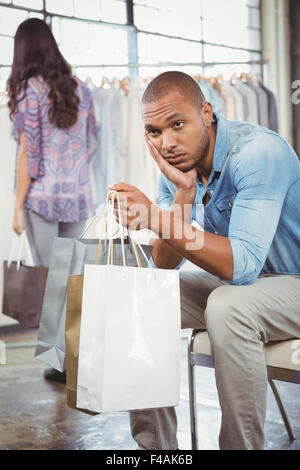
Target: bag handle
{"type": "Point", "coordinates": [88, 226]}
{"type": "Point", "coordinates": [20, 240]}
{"type": "Point", "coordinates": [108, 215]}
{"type": "Point", "coordinates": [28, 250]}
{"type": "Point", "coordinates": [130, 237]}
{"type": "Point", "coordinates": [107, 223]}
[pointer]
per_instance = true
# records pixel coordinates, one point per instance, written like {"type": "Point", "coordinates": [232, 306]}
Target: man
{"type": "Point", "coordinates": [247, 178]}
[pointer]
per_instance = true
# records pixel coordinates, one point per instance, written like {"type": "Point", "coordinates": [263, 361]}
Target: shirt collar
{"type": "Point", "coordinates": [221, 145]}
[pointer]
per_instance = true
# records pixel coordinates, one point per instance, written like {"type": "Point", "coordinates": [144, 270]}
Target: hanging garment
{"type": "Point", "coordinates": [237, 112]}
{"type": "Point", "coordinates": [141, 171]}
{"type": "Point", "coordinates": [229, 103]}
{"type": "Point", "coordinates": [272, 108]}
{"type": "Point", "coordinates": [217, 101]}
{"type": "Point", "coordinates": [205, 89]}
{"type": "Point", "coordinates": [119, 130]}
{"type": "Point", "coordinates": [249, 102]}
{"type": "Point", "coordinates": [109, 165]}
{"type": "Point", "coordinates": [99, 163]}
{"type": "Point", "coordinates": [262, 101]}
{"type": "Point", "coordinates": [239, 109]}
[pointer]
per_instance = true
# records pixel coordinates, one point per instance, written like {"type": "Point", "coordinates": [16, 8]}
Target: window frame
{"type": "Point", "coordinates": [133, 32]}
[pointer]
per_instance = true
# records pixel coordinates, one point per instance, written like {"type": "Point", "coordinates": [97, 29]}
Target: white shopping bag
{"type": "Point", "coordinates": [129, 353]}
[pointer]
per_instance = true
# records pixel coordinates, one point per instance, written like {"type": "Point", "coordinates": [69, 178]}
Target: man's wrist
{"type": "Point", "coordinates": [186, 194]}
{"type": "Point", "coordinates": [155, 218]}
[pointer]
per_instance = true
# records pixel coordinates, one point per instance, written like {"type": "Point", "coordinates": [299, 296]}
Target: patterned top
{"type": "Point", "coordinates": [58, 159]}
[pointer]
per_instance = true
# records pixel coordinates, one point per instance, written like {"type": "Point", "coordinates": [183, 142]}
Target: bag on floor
{"type": "Point", "coordinates": [129, 351]}
{"type": "Point", "coordinates": [23, 286]}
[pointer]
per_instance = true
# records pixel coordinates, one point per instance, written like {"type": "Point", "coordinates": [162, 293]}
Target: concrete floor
{"type": "Point", "coordinates": [33, 412]}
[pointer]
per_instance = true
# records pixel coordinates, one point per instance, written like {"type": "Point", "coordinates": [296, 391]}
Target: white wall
{"type": "Point", "coordinates": [7, 165]}
{"type": "Point", "coordinates": [276, 51]}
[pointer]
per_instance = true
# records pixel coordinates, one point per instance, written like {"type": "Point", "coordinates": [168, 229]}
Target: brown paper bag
{"type": "Point", "coordinates": [73, 317]}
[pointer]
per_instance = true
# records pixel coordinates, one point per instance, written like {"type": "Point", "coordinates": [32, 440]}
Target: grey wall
{"type": "Point", "coordinates": [295, 70]}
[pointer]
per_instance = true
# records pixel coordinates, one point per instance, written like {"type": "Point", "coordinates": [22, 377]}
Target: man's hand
{"type": "Point", "coordinates": [184, 181]}
{"type": "Point", "coordinates": [135, 207]}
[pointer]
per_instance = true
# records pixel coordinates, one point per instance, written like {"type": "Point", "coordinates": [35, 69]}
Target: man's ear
{"type": "Point", "coordinates": [207, 113]}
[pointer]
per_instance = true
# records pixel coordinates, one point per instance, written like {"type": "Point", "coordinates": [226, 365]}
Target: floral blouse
{"type": "Point", "coordinates": [58, 159]}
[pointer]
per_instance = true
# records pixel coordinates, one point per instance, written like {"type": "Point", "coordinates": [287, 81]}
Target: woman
{"type": "Point", "coordinates": [54, 125]}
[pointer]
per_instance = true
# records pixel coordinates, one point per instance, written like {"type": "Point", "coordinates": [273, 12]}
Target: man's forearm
{"type": "Point", "coordinates": [209, 251]}
{"type": "Point", "coordinates": [163, 254]}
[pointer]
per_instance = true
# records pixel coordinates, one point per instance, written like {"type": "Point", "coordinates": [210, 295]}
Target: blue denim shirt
{"type": "Point", "coordinates": [254, 190]}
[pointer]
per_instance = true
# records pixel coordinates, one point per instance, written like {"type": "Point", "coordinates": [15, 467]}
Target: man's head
{"type": "Point", "coordinates": [176, 118]}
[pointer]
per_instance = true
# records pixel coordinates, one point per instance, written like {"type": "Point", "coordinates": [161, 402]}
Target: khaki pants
{"type": "Point", "coordinates": [238, 319]}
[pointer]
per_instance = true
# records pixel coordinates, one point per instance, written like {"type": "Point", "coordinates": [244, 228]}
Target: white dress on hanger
{"type": "Point", "coordinates": [142, 171]}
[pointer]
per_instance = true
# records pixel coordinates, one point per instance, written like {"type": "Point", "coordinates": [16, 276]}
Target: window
{"type": "Point", "coordinates": [221, 36]}
{"type": "Point", "coordinates": [113, 11]}
{"type": "Point", "coordinates": [215, 37]}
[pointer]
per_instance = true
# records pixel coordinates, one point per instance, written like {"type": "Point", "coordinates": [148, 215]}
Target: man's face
{"type": "Point", "coordinates": [177, 129]}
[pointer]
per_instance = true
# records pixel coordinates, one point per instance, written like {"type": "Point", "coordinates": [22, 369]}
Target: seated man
{"type": "Point", "coordinates": [247, 179]}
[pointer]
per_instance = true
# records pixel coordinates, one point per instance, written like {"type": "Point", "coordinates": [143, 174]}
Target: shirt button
{"type": "Point", "coordinates": [216, 232]}
{"type": "Point", "coordinates": [229, 203]}
{"type": "Point", "coordinates": [211, 191]}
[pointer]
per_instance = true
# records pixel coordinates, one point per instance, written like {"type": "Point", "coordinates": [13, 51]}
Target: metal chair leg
{"type": "Point", "coordinates": [192, 396]}
{"type": "Point", "coordinates": [282, 411]}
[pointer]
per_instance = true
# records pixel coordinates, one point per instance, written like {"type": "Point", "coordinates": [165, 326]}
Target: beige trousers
{"type": "Point", "coordinates": [238, 319]}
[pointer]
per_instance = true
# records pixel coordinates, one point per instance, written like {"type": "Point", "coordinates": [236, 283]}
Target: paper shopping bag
{"type": "Point", "coordinates": [23, 293]}
{"type": "Point", "coordinates": [24, 285]}
{"type": "Point", "coordinates": [73, 317]}
{"type": "Point", "coordinates": [129, 353]}
{"type": "Point", "coordinates": [68, 257]}
{"type": "Point", "coordinates": [72, 327]}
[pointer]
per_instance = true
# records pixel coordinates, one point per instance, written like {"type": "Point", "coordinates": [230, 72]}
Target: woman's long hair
{"type": "Point", "coordinates": [36, 53]}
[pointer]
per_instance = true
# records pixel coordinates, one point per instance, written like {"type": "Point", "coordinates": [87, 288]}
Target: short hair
{"type": "Point", "coordinates": [174, 81]}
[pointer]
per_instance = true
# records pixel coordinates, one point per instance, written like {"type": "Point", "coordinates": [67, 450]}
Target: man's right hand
{"type": "Point", "coordinates": [184, 181]}
{"type": "Point", "coordinates": [163, 255]}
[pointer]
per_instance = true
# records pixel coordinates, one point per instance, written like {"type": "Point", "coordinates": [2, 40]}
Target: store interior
{"type": "Point", "coordinates": [240, 52]}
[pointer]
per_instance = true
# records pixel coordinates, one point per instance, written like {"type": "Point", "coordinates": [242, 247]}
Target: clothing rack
{"type": "Point", "coordinates": [171, 64]}
{"type": "Point", "coordinates": [124, 82]}
{"type": "Point", "coordinates": [164, 64]}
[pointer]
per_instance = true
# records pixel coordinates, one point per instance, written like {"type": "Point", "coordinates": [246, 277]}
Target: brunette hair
{"type": "Point", "coordinates": [36, 53]}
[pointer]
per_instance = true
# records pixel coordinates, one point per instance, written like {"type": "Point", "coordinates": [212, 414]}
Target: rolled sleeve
{"type": "Point", "coordinates": [245, 265]}
{"type": "Point", "coordinates": [258, 204]}
{"type": "Point", "coordinates": [27, 119]}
